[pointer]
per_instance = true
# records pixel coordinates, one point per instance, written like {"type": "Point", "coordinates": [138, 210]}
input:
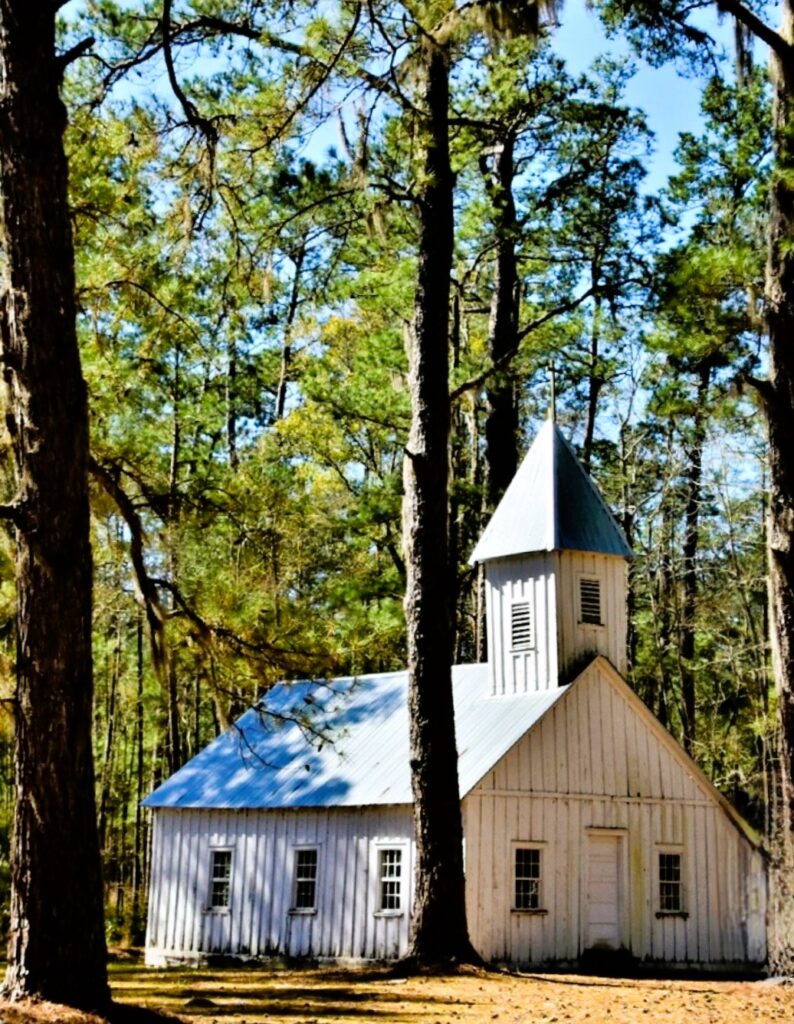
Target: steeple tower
{"type": "Point", "coordinates": [555, 565]}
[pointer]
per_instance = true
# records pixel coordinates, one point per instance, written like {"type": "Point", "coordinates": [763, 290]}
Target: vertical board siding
{"type": "Point", "coordinates": [720, 892]}
{"type": "Point", "coordinates": [258, 921]}
{"type": "Point", "coordinates": [524, 578]}
{"type": "Point", "coordinates": [615, 775]}
{"type": "Point", "coordinates": [594, 764]}
{"type": "Point", "coordinates": [577, 640]}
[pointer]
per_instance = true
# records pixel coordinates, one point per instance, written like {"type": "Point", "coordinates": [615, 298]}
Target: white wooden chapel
{"type": "Point", "coordinates": [587, 827]}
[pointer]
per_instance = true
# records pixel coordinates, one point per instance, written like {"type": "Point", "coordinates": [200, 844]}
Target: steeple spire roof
{"type": "Point", "coordinates": [550, 505]}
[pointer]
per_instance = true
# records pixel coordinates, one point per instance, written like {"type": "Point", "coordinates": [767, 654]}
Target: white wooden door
{"type": "Point", "coordinates": [604, 897]}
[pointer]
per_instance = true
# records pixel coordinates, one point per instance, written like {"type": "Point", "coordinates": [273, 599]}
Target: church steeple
{"type": "Point", "coordinates": [555, 572]}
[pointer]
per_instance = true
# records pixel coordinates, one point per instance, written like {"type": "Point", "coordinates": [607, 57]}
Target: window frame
{"type": "Point", "coordinates": [529, 645]}
{"type": "Point", "coordinates": [212, 906]}
{"type": "Point", "coordinates": [670, 850]}
{"type": "Point", "coordinates": [590, 577]}
{"type": "Point", "coordinates": [296, 852]}
{"type": "Point", "coordinates": [378, 848]}
{"type": "Point", "coordinates": [540, 847]}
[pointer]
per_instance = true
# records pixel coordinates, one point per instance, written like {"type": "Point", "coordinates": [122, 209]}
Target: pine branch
{"type": "Point", "coordinates": [207, 631]}
{"type": "Point", "coordinates": [762, 388]}
{"type": "Point", "coordinates": [504, 361]}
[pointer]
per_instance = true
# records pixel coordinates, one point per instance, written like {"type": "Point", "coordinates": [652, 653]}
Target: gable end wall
{"type": "Point", "coordinates": [592, 765]}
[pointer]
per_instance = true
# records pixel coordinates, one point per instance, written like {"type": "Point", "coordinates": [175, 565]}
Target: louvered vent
{"type": "Point", "coordinates": [520, 626]}
{"type": "Point", "coordinates": [590, 601]}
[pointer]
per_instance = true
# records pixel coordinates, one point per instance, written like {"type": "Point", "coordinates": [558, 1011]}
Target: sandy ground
{"type": "Point", "coordinates": [271, 996]}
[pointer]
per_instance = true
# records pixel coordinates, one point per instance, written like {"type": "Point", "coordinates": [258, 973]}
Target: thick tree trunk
{"type": "Point", "coordinates": [780, 416]}
{"type": "Point", "coordinates": [501, 420]}
{"type": "Point", "coordinates": [57, 941]}
{"type": "Point", "coordinates": [438, 926]}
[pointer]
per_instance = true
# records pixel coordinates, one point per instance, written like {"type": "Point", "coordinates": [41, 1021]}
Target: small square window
{"type": "Point", "coordinates": [590, 601]}
{"type": "Point", "coordinates": [671, 895]}
{"type": "Point", "coordinates": [520, 626]}
{"type": "Point", "coordinates": [390, 876]}
{"type": "Point", "coordinates": [220, 879]}
{"type": "Point", "coordinates": [305, 888]}
{"type": "Point", "coordinates": [527, 878]}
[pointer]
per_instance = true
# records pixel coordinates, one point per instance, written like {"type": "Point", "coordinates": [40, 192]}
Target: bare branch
{"type": "Point", "coordinates": [63, 60]}
{"type": "Point", "coordinates": [194, 118]}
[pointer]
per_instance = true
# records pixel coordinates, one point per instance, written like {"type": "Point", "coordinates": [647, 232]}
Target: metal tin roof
{"type": "Point", "coordinates": [550, 505]}
{"type": "Point", "coordinates": [344, 743]}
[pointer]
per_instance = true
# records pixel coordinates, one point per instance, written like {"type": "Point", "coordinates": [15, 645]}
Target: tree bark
{"type": "Point", "coordinates": [595, 381]}
{"type": "Point", "coordinates": [57, 940]}
{"type": "Point", "coordinates": [136, 926]}
{"type": "Point", "coordinates": [501, 419]}
{"type": "Point", "coordinates": [780, 523]}
{"type": "Point", "coordinates": [286, 348]}
{"type": "Point", "coordinates": [439, 932]}
{"type": "Point", "coordinates": [106, 776]}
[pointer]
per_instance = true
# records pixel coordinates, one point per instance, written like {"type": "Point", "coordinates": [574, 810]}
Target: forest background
{"type": "Point", "coordinates": [245, 222]}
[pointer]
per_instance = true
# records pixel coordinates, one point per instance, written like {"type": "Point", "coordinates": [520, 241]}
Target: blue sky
{"type": "Point", "coordinates": [670, 100]}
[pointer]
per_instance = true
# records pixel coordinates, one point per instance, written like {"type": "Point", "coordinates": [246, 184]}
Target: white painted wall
{"type": "Point", "coordinates": [525, 578]}
{"type": "Point", "coordinates": [597, 772]}
{"type": "Point", "coordinates": [549, 581]}
{"type": "Point", "coordinates": [577, 640]}
{"type": "Point", "coordinates": [258, 922]}
{"type": "Point", "coordinates": [594, 767]}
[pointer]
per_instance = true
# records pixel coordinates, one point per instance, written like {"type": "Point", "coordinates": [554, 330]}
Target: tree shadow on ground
{"type": "Point", "coordinates": [121, 1013]}
{"type": "Point", "coordinates": [327, 1003]}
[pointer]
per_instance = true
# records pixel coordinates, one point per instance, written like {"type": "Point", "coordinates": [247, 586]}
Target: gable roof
{"type": "Point", "coordinates": [550, 505]}
{"type": "Point", "coordinates": [344, 743]}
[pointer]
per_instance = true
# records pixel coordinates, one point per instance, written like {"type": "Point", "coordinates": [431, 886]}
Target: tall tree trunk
{"type": "Point", "coordinates": [628, 478]}
{"type": "Point", "coordinates": [136, 927]}
{"type": "Point", "coordinates": [780, 416]}
{"type": "Point", "coordinates": [501, 419]}
{"type": "Point", "coordinates": [689, 576]}
{"type": "Point", "coordinates": [664, 614]}
{"type": "Point", "coordinates": [438, 925]}
{"type": "Point", "coordinates": [595, 380]}
{"type": "Point", "coordinates": [174, 748]}
{"type": "Point", "coordinates": [108, 753]}
{"type": "Point", "coordinates": [286, 348]}
{"type": "Point", "coordinates": [456, 539]}
{"type": "Point", "coordinates": [231, 405]}
{"type": "Point", "coordinates": [57, 939]}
